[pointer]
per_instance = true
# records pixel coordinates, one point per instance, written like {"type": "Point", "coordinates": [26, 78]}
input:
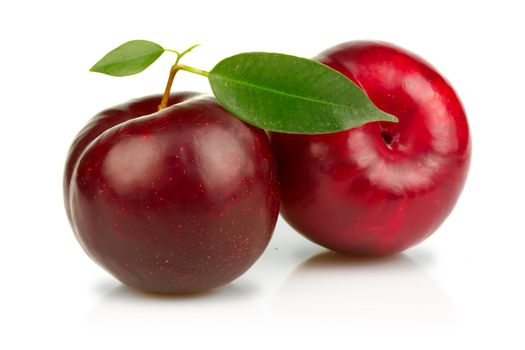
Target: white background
{"type": "Point", "coordinates": [462, 288]}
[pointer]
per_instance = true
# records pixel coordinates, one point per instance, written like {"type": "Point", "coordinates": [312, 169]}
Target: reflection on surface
{"type": "Point", "coordinates": [328, 290]}
{"type": "Point", "coordinates": [360, 290]}
{"type": "Point", "coordinates": [132, 163]}
{"type": "Point", "coordinates": [127, 308]}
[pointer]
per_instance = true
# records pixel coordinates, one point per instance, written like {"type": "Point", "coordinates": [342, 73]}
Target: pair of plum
{"type": "Point", "coordinates": [186, 199]}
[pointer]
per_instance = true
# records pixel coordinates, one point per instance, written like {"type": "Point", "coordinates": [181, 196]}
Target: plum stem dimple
{"type": "Point", "coordinates": [387, 138]}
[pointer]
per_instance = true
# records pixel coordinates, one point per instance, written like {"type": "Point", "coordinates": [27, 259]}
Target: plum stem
{"type": "Point", "coordinates": [173, 71]}
{"type": "Point", "coordinates": [164, 103]}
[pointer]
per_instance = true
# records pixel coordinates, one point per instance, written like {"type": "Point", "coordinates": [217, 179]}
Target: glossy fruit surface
{"type": "Point", "coordinates": [176, 201]}
{"type": "Point", "coordinates": [383, 187]}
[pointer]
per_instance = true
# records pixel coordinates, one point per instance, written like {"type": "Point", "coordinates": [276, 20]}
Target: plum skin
{"type": "Point", "coordinates": [174, 201]}
{"type": "Point", "coordinates": [383, 187]}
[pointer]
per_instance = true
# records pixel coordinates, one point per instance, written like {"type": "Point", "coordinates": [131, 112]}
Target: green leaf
{"type": "Point", "coordinates": [291, 94]}
{"type": "Point", "coordinates": [129, 58]}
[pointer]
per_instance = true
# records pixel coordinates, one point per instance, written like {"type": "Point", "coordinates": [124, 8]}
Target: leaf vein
{"type": "Point", "coordinates": [130, 59]}
{"type": "Point", "coordinates": [277, 92]}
